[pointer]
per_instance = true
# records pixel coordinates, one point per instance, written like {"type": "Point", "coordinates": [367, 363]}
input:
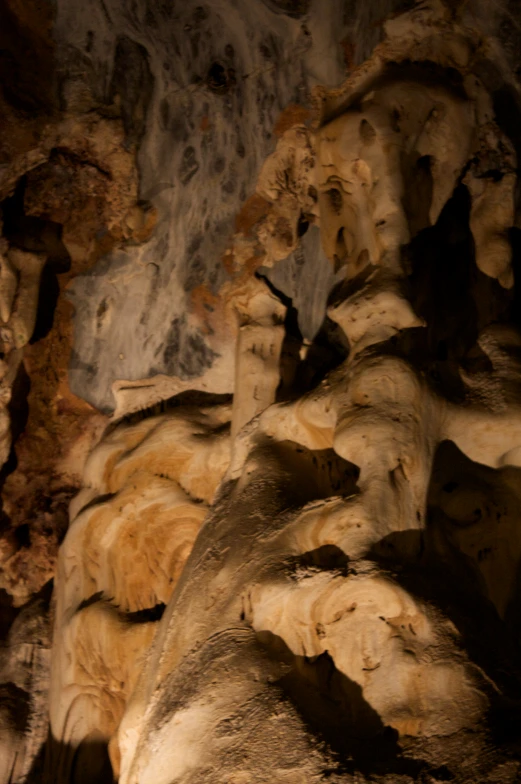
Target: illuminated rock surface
{"type": "Point", "coordinates": [285, 416]}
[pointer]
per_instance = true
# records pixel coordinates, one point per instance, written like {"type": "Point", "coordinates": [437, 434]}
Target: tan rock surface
{"type": "Point", "coordinates": [310, 629]}
{"type": "Point", "coordinates": [315, 580]}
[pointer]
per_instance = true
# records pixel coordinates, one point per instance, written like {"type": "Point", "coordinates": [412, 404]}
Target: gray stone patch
{"type": "Point", "coordinates": [306, 277]}
{"type": "Point", "coordinates": [204, 88]}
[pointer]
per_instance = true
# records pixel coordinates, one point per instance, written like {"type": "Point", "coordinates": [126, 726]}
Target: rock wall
{"type": "Point", "coordinates": [289, 233]}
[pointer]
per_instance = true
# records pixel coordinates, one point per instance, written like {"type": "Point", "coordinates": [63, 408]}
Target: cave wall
{"type": "Point", "coordinates": [214, 82]}
{"type": "Point", "coordinates": [325, 410]}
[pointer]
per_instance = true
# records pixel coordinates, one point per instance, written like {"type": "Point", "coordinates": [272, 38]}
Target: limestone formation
{"type": "Point", "coordinates": [294, 556]}
{"type": "Point", "coordinates": [310, 636]}
{"type": "Point", "coordinates": [148, 487]}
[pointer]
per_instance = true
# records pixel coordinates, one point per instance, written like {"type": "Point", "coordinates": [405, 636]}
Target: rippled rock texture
{"type": "Point", "coordinates": [260, 315]}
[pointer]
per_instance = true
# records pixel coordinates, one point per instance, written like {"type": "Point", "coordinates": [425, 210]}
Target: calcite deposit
{"type": "Point", "coordinates": [289, 434]}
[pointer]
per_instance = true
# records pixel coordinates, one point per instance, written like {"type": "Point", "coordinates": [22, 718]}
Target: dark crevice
{"type": "Point", "coordinates": [341, 254]}
{"type": "Point", "coordinates": [454, 297]}
{"type": "Point", "coordinates": [289, 355]}
{"type": "Point", "coordinates": [286, 301]}
{"type": "Point", "coordinates": [328, 557]}
{"type": "Point", "coordinates": [18, 410]}
{"type": "Point", "coordinates": [147, 615]}
{"type": "Point", "coordinates": [18, 406]}
{"type": "Point", "coordinates": [8, 612]}
{"type": "Point", "coordinates": [94, 599]}
{"type": "Point", "coordinates": [31, 233]}
{"type": "Point", "coordinates": [295, 9]}
{"type": "Point", "coordinates": [219, 79]}
{"type": "Point", "coordinates": [22, 535]}
{"type": "Point", "coordinates": [190, 398]}
{"type": "Point", "coordinates": [47, 302]}
{"type": "Point", "coordinates": [91, 763]}
{"type": "Point", "coordinates": [15, 704]}
{"type": "Point", "coordinates": [302, 225]}
{"type": "Point", "coordinates": [37, 235]}
{"type": "Point", "coordinates": [327, 351]}
{"type": "Point", "coordinates": [443, 268]}
{"type": "Point", "coordinates": [99, 499]}
{"type": "Point", "coordinates": [417, 195]}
